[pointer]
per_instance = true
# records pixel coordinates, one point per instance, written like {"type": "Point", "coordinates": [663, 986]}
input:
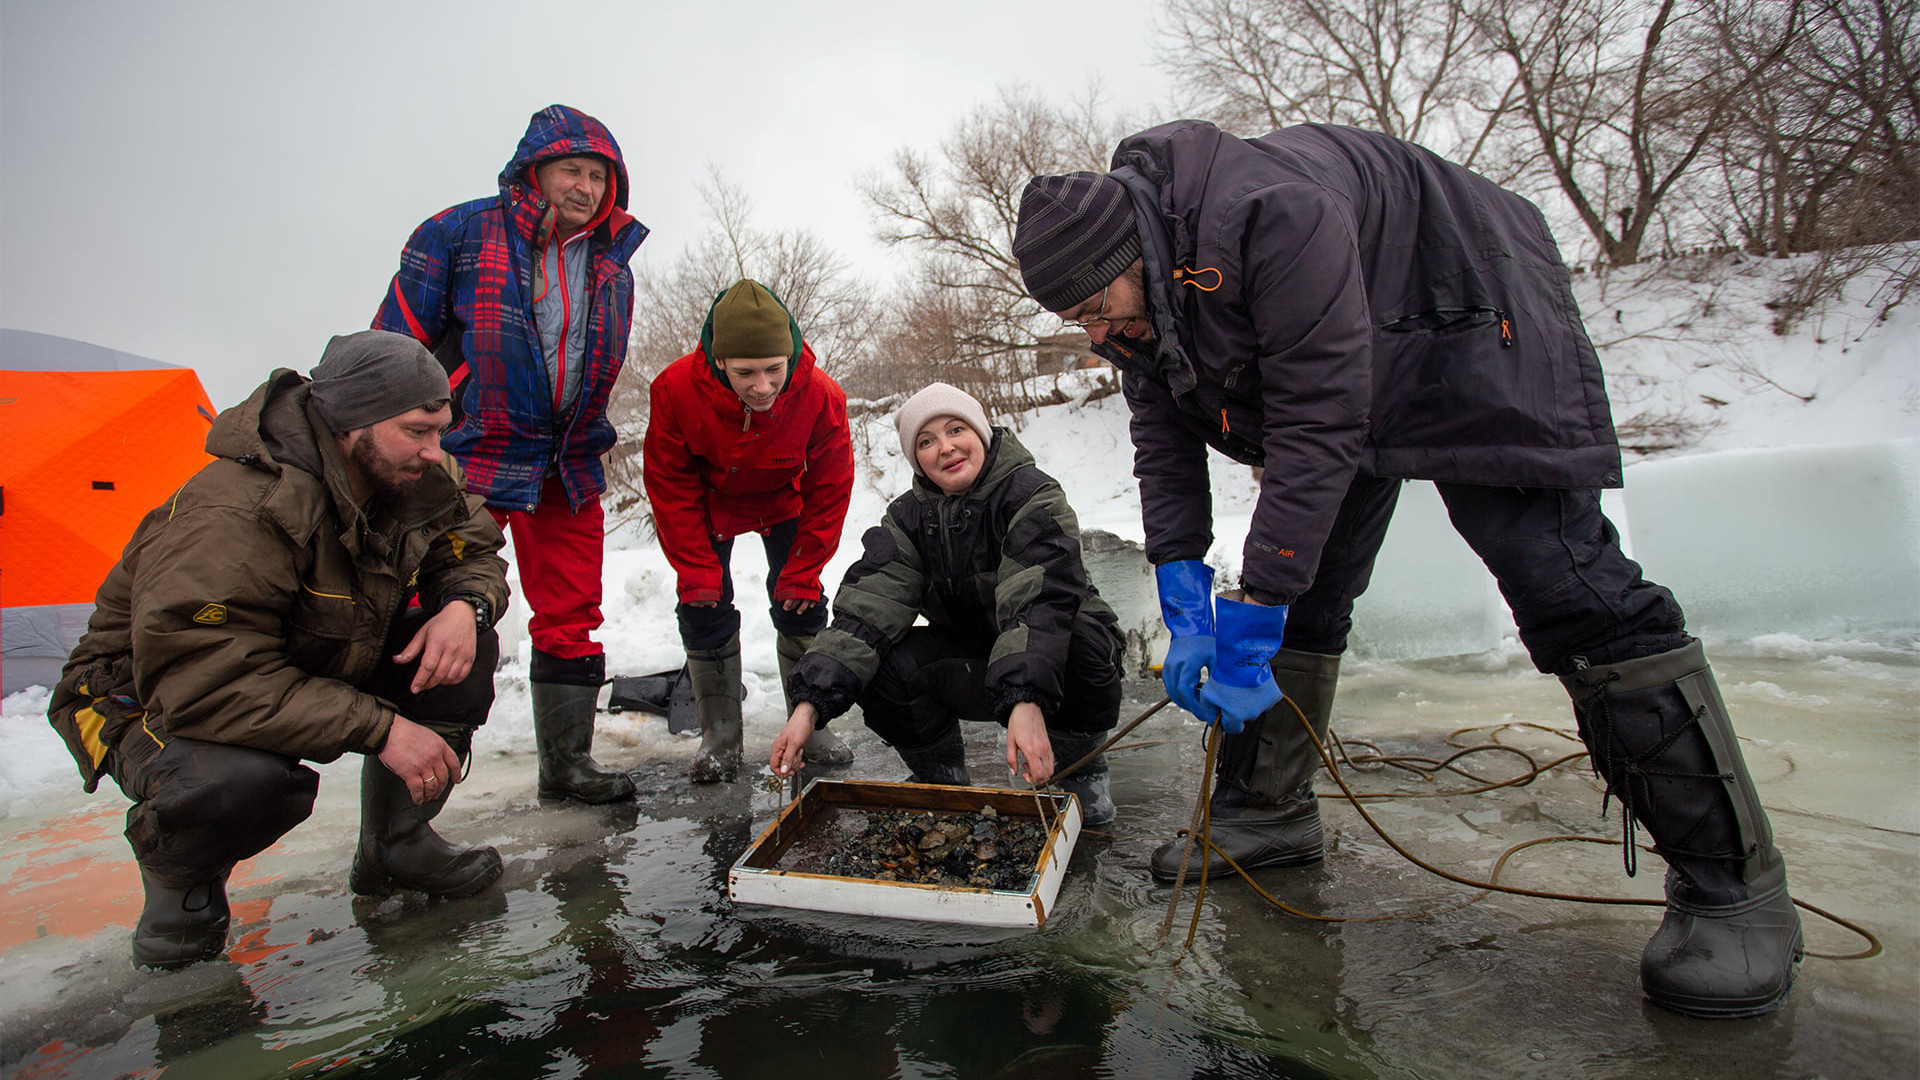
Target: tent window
{"type": "Point", "coordinates": [103, 485]}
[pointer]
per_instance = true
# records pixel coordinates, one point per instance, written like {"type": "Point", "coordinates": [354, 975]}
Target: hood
{"type": "Point", "coordinates": [275, 429]}
{"type": "Point", "coordinates": [559, 131]}
{"type": "Point", "coordinates": [1166, 202]}
{"type": "Point", "coordinates": [1005, 455]}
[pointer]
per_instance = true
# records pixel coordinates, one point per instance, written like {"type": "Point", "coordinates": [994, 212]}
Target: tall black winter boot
{"type": "Point", "coordinates": [1263, 811]}
{"type": "Point", "coordinates": [1659, 735]}
{"type": "Point", "coordinates": [399, 849]}
{"type": "Point", "coordinates": [823, 746]}
{"type": "Point", "coordinates": [564, 695]}
{"type": "Point", "coordinates": [717, 694]}
{"type": "Point", "coordinates": [182, 922]}
{"type": "Point", "coordinates": [1089, 782]}
{"type": "Point", "coordinates": [942, 761]}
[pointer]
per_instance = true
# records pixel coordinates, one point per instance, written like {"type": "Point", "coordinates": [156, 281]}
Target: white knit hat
{"type": "Point", "coordinates": [938, 399]}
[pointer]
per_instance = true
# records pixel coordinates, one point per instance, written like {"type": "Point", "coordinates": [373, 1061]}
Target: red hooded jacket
{"type": "Point", "coordinates": [715, 470]}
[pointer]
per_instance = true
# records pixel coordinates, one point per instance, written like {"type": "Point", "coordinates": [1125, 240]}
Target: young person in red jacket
{"type": "Point", "coordinates": [747, 435]}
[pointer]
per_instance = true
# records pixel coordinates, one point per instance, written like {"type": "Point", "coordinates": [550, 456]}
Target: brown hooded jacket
{"type": "Point", "coordinates": [248, 607]}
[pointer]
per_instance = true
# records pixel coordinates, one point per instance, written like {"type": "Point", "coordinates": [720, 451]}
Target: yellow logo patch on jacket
{"type": "Point", "coordinates": [211, 615]}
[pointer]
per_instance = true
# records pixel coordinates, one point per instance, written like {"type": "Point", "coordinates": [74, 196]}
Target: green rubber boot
{"type": "Point", "coordinates": [399, 849]}
{"type": "Point", "coordinates": [717, 694]}
{"type": "Point", "coordinates": [563, 717]}
{"type": "Point", "coordinates": [1263, 811]}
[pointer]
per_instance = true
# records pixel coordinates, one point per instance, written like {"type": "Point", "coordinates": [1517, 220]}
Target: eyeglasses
{"type": "Point", "coordinates": [1099, 317]}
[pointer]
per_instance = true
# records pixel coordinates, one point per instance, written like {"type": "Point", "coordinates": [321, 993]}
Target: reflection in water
{"type": "Point", "coordinates": [609, 949]}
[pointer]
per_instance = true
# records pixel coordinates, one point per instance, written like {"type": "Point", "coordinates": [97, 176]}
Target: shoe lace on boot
{"type": "Point", "coordinates": [1603, 756]}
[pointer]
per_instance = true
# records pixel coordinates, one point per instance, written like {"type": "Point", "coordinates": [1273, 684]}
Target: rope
{"type": "Point", "coordinates": [1427, 767]}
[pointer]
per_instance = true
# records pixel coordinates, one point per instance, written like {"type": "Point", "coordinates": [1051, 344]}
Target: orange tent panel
{"type": "Point", "coordinates": [83, 456]}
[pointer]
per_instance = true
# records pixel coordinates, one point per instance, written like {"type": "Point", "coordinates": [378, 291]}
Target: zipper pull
{"type": "Point", "coordinates": [1224, 429]}
{"type": "Point", "coordinates": [1506, 332]}
{"type": "Point", "coordinates": [746, 418]}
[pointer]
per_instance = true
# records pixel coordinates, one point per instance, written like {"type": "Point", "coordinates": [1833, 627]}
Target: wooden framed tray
{"type": "Point", "coordinates": [787, 866]}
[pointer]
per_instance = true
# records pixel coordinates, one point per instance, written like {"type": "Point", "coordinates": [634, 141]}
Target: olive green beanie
{"type": "Point", "coordinates": [749, 324]}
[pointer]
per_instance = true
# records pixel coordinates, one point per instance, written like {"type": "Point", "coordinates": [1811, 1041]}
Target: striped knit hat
{"type": "Point", "coordinates": [1075, 235]}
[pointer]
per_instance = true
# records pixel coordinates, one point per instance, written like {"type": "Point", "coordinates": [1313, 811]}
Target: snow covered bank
{"type": "Point", "coordinates": [1796, 517]}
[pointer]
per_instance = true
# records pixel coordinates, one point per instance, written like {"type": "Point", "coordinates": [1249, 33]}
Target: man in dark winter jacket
{"type": "Point", "coordinates": [1347, 311]}
{"type": "Point", "coordinates": [746, 434]}
{"type": "Point", "coordinates": [987, 549]}
{"type": "Point", "coordinates": [266, 613]}
{"type": "Point", "coordinates": [526, 298]}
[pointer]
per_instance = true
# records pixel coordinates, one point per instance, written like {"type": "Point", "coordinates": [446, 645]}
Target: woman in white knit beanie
{"type": "Point", "coordinates": [987, 549]}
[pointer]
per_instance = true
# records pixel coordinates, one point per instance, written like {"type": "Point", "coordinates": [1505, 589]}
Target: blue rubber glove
{"type": "Point", "coordinates": [1186, 603]}
{"type": "Point", "coordinates": [1186, 658]}
{"type": "Point", "coordinates": [1241, 686]}
{"type": "Point", "coordinates": [1232, 706]}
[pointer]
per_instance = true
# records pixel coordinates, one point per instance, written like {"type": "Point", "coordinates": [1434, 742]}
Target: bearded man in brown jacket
{"type": "Point", "coordinates": [266, 614]}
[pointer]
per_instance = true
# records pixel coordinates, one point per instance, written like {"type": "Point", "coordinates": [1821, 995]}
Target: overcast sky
{"type": "Point", "coordinates": [225, 185]}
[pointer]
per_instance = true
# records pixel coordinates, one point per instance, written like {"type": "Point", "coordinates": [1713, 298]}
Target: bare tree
{"type": "Point", "coordinates": [1623, 98]}
{"type": "Point", "coordinates": [1415, 70]}
{"type": "Point", "coordinates": [1824, 154]}
{"type": "Point", "coordinates": [837, 312]}
{"type": "Point", "coordinates": [965, 313]}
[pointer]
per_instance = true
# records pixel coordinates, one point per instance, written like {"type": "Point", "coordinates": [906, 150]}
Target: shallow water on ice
{"type": "Point", "coordinates": [610, 949]}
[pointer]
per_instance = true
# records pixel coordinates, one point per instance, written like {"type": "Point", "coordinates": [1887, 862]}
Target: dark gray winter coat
{"type": "Point", "coordinates": [1326, 300]}
{"type": "Point", "coordinates": [998, 565]}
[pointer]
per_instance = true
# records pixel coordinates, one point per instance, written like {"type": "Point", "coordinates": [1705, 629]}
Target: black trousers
{"type": "Point", "coordinates": [1573, 593]}
{"type": "Point", "coordinates": [706, 628]}
{"type": "Point", "coordinates": [934, 678]}
{"type": "Point", "coordinates": [199, 807]}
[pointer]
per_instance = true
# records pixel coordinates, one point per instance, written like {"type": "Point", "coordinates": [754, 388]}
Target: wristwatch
{"type": "Point", "coordinates": [482, 611]}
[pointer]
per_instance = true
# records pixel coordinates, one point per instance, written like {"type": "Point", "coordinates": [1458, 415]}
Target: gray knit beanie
{"type": "Point", "coordinates": [367, 377]}
{"type": "Point", "coordinates": [1075, 235]}
{"type": "Point", "coordinates": [938, 399]}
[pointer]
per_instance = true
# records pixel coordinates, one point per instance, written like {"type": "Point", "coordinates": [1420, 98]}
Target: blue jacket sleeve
{"type": "Point", "coordinates": [419, 299]}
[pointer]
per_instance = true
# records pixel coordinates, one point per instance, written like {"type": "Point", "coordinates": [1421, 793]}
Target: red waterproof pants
{"type": "Point", "coordinates": [559, 552]}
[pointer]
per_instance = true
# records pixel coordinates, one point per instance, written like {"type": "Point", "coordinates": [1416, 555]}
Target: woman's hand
{"type": "Point", "coordinates": [1027, 738]}
{"type": "Point", "coordinates": [793, 739]}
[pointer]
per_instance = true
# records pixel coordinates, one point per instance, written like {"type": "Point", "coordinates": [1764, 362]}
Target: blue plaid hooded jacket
{"type": "Point", "coordinates": [465, 290]}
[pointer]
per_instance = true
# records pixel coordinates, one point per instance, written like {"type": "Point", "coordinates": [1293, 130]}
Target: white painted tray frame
{"type": "Point", "coordinates": [750, 884]}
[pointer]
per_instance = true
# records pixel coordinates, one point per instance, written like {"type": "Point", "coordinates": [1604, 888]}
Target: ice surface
{"type": "Point", "coordinates": [1820, 541]}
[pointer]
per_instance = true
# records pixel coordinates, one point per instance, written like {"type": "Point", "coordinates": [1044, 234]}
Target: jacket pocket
{"type": "Point", "coordinates": [1452, 377]}
{"type": "Point", "coordinates": [320, 629]}
{"type": "Point", "coordinates": [1448, 321]}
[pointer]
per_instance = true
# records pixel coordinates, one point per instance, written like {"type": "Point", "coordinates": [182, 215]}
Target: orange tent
{"type": "Point", "coordinates": [84, 454]}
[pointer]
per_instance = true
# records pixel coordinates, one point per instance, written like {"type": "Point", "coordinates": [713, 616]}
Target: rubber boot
{"type": "Point", "coordinates": [717, 693]}
{"type": "Point", "coordinates": [399, 849]}
{"type": "Point", "coordinates": [823, 747]}
{"type": "Point", "coordinates": [942, 761]}
{"type": "Point", "coordinates": [563, 717]}
{"type": "Point", "coordinates": [1089, 782]}
{"type": "Point", "coordinates": [1263, 811]}
{"type": "Point", "coordinates": [183, 922]}
{"type": "Point", "coordinates": [1659, 735]}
